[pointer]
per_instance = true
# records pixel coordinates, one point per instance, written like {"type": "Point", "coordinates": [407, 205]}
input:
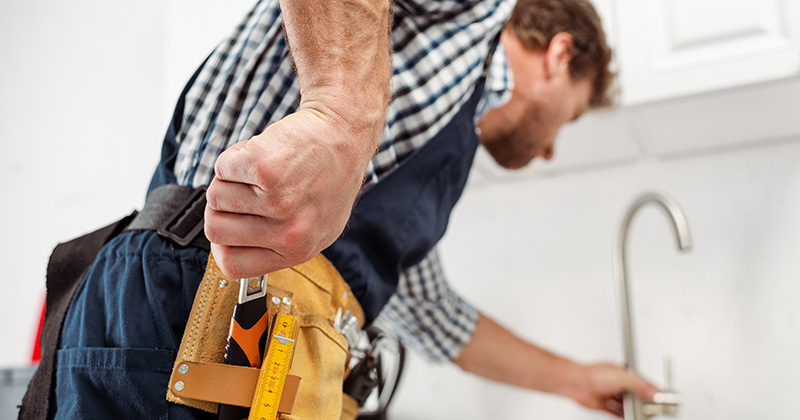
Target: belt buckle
{"type": "Point", "coordinates": [196, 202]}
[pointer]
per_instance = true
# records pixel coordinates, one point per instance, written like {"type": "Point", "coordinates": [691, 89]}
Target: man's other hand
{"type": "Point", "coordinates": [604, 385]}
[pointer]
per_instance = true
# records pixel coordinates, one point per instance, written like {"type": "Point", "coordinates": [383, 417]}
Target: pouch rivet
{"type": "Point", "coordinates": [287, 301]}
{"type": "Point", "coordinates": [223, 283]}
{"type": "Point", "coordinates": [183, 368]}
{"type": "Point", "coordinates": [179, 386]}
{"type": "Point", "coordinates": [276, 300]}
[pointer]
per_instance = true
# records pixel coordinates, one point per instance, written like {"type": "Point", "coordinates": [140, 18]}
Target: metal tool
{"type": "Point", "coordinates": [374, 377]}
{"type": "Point", "coordinates": [248, 334]}
{"type": "Point", "coordinates": [349, 329]}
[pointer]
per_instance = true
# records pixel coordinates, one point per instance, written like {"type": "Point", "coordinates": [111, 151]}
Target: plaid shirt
{"type": "Point", "coordinates": [440, 49]}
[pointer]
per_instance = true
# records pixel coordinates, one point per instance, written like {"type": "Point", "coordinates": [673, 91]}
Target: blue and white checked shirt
{"type": "Point", "coordinates": [440, 49]}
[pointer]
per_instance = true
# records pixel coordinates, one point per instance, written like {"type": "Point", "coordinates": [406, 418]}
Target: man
{"type": "Point", "coordinates": [558, 62]}
{"type": "Point", "coordinates": [284, 143]}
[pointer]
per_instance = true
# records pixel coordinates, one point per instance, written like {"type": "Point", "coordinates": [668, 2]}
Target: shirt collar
{"type": "Point", "coordinates": [498, 86]}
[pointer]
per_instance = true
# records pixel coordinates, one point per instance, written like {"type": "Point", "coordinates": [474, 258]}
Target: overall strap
{"type": "Point", "coordinates": [68, 264]}
{"type": "Point", "coordinates": [397, 222]}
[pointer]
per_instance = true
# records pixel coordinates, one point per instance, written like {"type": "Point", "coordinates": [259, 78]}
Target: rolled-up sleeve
{"type": "Point", "coordinates": [427, 315]}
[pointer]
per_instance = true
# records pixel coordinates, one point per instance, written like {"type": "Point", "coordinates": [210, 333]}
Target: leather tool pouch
{"type": "Point", "coordinates": [313, 389]}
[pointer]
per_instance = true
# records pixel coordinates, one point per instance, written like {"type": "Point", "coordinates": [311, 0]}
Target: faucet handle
{"type": "Point", "coordinates": [666, 402]}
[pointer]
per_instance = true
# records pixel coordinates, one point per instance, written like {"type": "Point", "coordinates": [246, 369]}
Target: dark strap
{"type": "Point", "coordinates": [176, 213]}
{"type": "Point", "coordinates": [68, 264]}
{"type": "Point", "coordinates": [398, 221]}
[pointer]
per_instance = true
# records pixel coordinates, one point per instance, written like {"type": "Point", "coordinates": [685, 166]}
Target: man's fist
{"type": "Point", "coordinates": [283, 196]}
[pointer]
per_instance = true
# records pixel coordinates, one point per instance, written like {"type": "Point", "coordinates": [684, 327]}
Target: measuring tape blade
{"type": "Point", "coordinates": [272, 375]}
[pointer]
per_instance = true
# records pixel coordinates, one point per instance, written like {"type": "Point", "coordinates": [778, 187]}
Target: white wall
{"type": "Point", "coordinates": [88, 88]}
{"type": "Point", "coordinates": [536, 254]}
{"type": "Point", "coordinates": [80, 131]}
{"type": "Point", "coordinates": [86, 98]}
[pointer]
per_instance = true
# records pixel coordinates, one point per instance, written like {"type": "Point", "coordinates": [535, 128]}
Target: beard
{"type": "Point", "coordinates": [515, 145]}
{"type": "Point", "coordinates": [508, 151]}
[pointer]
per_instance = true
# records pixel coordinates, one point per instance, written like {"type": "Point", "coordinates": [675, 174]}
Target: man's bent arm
{"type": "Point", "coordinates": [283, 196]}
{"type": "Point", "coordinates": [522, 364]}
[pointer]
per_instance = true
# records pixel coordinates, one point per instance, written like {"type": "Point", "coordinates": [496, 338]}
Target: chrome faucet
{"type": "Point", "coordinates": [665, 402]}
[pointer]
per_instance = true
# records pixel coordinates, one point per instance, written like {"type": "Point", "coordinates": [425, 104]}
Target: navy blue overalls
{"type": "Point", "coordinates": [126, 321]}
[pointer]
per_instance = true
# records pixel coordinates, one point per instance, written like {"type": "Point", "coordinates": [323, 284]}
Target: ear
{"type": "Point", "coordinates": [558, 54]}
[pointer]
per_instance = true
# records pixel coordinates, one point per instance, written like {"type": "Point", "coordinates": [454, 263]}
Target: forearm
{"type": "Point", "coordinates": [284, 195]}
{"type": "Point", "coordinates": [342, 56]}
{"type": "Point", "coordinates": [497, 354]}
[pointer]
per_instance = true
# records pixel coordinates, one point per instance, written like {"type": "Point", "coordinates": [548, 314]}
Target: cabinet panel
{"type": "Point", "coordinates": [694, 23]}
{"type": "Point", "coordinates": [672, 48]}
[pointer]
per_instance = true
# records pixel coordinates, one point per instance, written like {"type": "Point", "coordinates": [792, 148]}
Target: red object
{"type": "Point", "coordinates": [37, 345]}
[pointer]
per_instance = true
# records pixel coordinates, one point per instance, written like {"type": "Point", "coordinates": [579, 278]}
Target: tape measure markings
{"type": "Point", "coordinates": [272, 375]}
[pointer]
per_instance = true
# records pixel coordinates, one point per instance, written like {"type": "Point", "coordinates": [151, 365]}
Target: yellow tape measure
{"type": "Point", "coordinates": [272, 375]}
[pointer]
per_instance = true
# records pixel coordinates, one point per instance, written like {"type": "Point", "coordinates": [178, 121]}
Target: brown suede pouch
{"type": "Point", "coordinates": [317, 291]}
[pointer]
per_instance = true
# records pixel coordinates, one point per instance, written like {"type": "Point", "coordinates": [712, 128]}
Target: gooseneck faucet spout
{"type": "Point", "coordinates": [633, 407]}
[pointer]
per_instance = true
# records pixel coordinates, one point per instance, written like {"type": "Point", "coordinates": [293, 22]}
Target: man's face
{"type": "Point", "coordinates": [544, 98]}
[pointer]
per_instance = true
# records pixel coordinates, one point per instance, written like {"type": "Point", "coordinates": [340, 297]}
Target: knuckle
{"type": "Point", "coordinates": [211, 228]}
{"type": "Point", "coordinates": [266, 175]}
{"type": "Point", "coordinates": [298, 242]}
{"type": "Point", "coordinates": [296, 236]}
{"type": "Point", "coordinates": [226, 262]}
{"type": "Point", "coordinates": [282, 206]}
{"type": "Point", "coordinates": [219, 168]}
{"type": "Point", "coordinates": [212, 195]}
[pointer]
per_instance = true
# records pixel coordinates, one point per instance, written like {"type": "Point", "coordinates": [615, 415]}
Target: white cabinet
{"type": "Point", "coordinates": [674, 48]}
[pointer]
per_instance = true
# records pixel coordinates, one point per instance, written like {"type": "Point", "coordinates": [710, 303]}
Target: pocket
{"type": "Point", "coordinates": [94, 383]}
{"type": "Point", "coordinates": [319, 360]}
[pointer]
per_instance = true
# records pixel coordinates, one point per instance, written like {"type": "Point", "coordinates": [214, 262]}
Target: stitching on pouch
{"type": "Point", "coordinates": [206, 315]}
{"type": "Point", "coordinates": [196, 321]}
{"type": "Point", "coordinates": [213, 306]}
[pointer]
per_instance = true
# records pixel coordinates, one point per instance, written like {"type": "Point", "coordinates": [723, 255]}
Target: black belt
{"type": "Point", "coordinates": [176, 213]}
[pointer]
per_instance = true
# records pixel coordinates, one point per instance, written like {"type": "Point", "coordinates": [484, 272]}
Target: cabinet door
{"type": "Point", "coordinates": [673, 48]}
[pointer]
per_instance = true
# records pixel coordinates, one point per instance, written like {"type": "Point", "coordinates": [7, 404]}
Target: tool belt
{"type": "Point", "coordinates": [200, 378]}
{"type": "Point", "coordinates": [314, 386]}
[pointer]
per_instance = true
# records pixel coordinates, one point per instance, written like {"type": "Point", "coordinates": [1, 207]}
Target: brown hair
{"type": "Point", "coordinates": [535, 22]}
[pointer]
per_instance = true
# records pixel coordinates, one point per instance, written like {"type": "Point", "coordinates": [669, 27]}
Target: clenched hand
{"type": "Point", "coordinates": [283, 196]}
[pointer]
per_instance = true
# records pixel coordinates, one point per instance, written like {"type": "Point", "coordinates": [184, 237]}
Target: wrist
{"type": "Point", "coordinates": [570, 379]}
{"type": "Point", "coordinates": [356, 124]}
